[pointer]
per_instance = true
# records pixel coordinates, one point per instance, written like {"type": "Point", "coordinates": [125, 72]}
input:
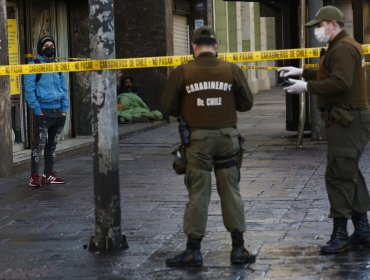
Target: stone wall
{"type": "Point", "coordinates": [80, 48]}
{"type": "Point", "coordinates": [144, 29]}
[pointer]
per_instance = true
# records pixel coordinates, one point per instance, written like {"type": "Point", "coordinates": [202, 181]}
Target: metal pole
{"type": "Point", "coordinates": [6, 151]}
{"type": "Point", "coordinates": [105, 132]}
{"type": "Point", "coordinates": [317, 125]}
{"type": "Point", "coordinates": [302, 96]}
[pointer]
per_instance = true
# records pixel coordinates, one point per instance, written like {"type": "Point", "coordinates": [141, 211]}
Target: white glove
{"type": "Point", "coordinates": [298, 86]}
{"type": "Point", "coordinates": [290, 71]}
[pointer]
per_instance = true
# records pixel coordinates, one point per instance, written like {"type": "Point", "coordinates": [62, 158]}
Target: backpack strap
{"type": "Point", "coordinates": [38, 75]}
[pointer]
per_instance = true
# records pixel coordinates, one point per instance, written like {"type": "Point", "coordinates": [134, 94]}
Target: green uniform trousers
{"type": "Point", "coordinates": [345, 184]}
{"type": "Point", "coordinates": [209, 148]}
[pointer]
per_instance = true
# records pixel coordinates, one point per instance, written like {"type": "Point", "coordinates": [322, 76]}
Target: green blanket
{"type": "Point", "coordinates": [134, 108]}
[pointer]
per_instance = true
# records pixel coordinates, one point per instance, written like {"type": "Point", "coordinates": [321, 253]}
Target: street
{"type": "Point", "coordinates": [44, 232]}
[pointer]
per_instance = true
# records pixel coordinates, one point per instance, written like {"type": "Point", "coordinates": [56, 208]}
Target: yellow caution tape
{"type": "Point", "coordinates": [311, 66]}
{"type": "Point", "coordinates": [32, 56]}
{"type": "Point", "coordinates": [163, 61]}
{"type": "Point", "coordinates": [73, 58]}
{"type": "Point", "coordinates": [253, 67]}
{"type": "Point", "coordinates": [270, 55]}
{"type": "Point", "coordinates": [317, 66]}
{"type": "Point", "coordinates": [274, 68]}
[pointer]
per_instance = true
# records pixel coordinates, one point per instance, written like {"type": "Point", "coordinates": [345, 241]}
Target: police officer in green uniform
{"type": "Point", "coordinates": [340, 86]}
{"type": "Point", "coordinates": [206, 93]}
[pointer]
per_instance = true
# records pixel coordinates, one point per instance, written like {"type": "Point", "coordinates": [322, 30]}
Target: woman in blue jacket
{"type": "Point", "coordinates": [46, 95]}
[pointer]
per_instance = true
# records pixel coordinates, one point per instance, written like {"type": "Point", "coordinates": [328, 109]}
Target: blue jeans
{"type": "Point", "coordinates": [46, 131]}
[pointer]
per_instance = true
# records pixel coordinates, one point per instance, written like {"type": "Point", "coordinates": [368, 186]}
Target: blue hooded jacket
{"type": "Point", "coordinates": [50, 92]}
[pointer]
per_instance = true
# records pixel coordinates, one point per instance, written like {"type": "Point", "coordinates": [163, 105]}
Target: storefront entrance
{"type": "Point", "coordinates": [17, 103]}
{"type": "Point", "coordinates": [49, 18]}
{"type": "Point", "coordinates": [42, 17]}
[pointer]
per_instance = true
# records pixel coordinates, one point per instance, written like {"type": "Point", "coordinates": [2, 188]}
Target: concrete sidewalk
{"type": "Point", "coordinates": [80, 145]}
{"type": "Point", "coordinates": [43, 231]}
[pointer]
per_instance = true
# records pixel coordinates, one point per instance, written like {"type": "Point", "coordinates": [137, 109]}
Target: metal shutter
{"type": "Point", "coordinates": [180, 35]}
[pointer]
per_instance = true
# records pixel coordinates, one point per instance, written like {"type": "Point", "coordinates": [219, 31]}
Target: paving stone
{"type": "Point", "coordinates": [44, 232]}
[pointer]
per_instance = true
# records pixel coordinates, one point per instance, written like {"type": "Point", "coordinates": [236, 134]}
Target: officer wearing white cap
{"type": "Point", "coordinates": [340, 86]}
{"type": "Point", "coordinates": [206, 93]}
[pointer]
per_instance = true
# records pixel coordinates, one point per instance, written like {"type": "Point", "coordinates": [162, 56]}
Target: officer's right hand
{"type": "Point", "coordinates": [289, 71]}
{"type": "Point", "coordinates": [297, 86]}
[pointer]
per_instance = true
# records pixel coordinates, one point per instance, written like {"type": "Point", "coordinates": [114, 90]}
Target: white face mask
{"type": "Point", "coordinates": [320, 35]}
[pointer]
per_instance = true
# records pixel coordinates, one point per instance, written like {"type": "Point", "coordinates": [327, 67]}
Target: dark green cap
{"type": "Point", "coordinates": [204, 34]}
{"type": "Point", "coordinates": [326, 13]}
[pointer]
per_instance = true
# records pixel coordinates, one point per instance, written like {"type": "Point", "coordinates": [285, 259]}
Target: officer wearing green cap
{"type": "Point", "coordinates": [206, 93]}
{"type": "Point", "coordinates": [340, 86]}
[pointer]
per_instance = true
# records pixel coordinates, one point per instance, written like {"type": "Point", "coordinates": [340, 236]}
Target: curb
{"type": "Point", "coordinates": [86, 146]}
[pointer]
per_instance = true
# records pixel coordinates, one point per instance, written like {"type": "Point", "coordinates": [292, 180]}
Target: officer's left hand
{"type": "Point", "coordinates": [298, 86]}
{"type": "Point", "coordinates": [288, 71]}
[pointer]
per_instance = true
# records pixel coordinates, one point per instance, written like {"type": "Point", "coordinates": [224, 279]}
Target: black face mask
{"type": "Point", "coordinates": [48, 52]}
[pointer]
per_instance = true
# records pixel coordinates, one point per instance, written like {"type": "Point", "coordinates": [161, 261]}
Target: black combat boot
{"type": "Point", "coordinates": [339, 241]}
{"type": "Point", "coordinates": [361, 235]}
{"type": "Point", "coordinates": [190, 257]}
{"type": "Point", "coordinates": [240, 255]}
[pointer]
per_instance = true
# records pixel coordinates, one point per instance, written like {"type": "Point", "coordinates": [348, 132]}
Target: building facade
{"type": "Point", "coordinates": [241, 28]}
{"type": "Point", "coordinates": [143, 28]}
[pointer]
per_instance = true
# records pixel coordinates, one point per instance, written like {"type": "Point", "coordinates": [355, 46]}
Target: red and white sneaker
{"type": "Point", "coordinates": [35, 180]}
{"type": "Point", "coordinates": [52, 178]}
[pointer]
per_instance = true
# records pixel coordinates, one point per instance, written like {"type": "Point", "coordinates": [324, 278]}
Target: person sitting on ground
{"type": "Point", "coordinates": [131, 108]}
{"type": "Point", "coordinates": [130, 104]}
{"type": "Point", "coordinates": [127, 85]}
